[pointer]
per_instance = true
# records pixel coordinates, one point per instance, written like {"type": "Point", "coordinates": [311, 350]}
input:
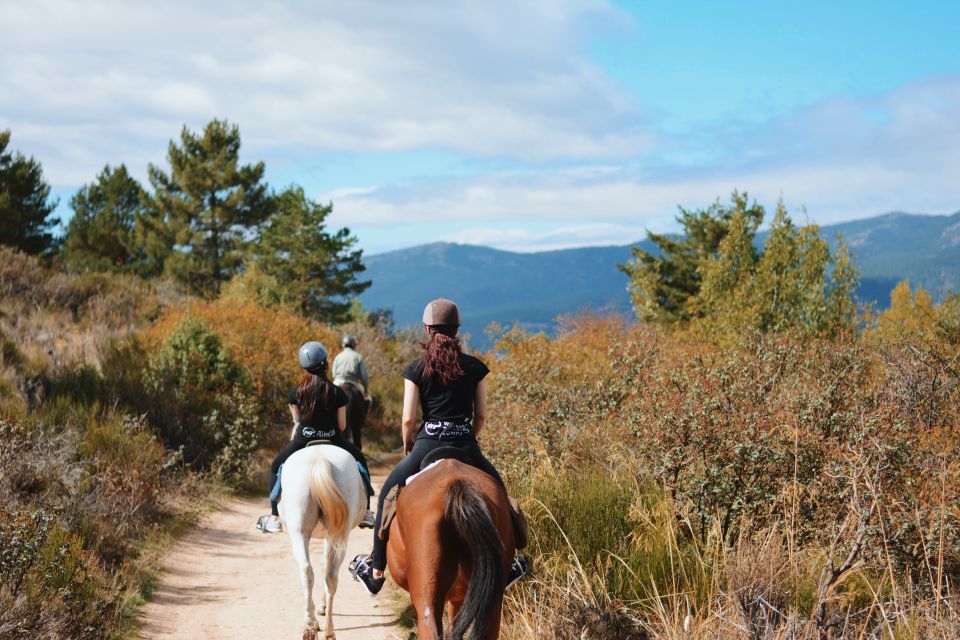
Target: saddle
{"type": "Point", "coordinates": [435, 456]}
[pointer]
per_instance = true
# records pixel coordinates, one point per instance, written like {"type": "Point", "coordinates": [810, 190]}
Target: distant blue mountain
{"type": "Point", "coordinates": [534, 288]}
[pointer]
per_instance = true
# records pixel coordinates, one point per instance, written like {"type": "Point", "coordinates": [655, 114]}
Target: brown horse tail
{"type": "Point", "coordinates": [333, 508]}
{"type": "Point", "coordinates": [467, 512]}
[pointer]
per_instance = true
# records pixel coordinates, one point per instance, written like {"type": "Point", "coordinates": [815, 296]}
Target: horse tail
{"type": "Point", "coordinates": [333, 508]}
{"type": "Point", "coordinates": [466, 509]}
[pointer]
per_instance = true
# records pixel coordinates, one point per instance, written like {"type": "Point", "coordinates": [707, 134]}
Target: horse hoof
{"type": "Point", "coordinates": [309, 634]}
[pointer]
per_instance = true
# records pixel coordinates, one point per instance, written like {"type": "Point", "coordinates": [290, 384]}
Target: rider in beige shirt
{"type": "Point", "coordinates": [349, 368]}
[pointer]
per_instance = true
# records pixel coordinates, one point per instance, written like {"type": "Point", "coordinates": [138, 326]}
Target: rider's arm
{"type": "Point", "coordinates": [480, 406]}
{"type": "Point", "coordinates": [295, 412]}
{"type": "Point", "coordinates": [408, 424]}
{"type": "Point", "coordinates": [342, 418]}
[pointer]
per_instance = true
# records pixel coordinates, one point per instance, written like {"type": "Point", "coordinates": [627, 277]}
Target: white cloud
{"type": "Point", "coordinates": [113, 80]}
{"type": "Point", "coordinates": [839, 160]}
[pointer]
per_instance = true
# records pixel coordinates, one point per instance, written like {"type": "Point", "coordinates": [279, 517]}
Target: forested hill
{"type": "Point", "coordinates": [533, 288]}
{"type": "Point", "coordinates": [497, 286]}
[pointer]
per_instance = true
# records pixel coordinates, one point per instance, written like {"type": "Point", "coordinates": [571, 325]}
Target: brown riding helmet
{"type": "Point", "coordinates": [441, 312]}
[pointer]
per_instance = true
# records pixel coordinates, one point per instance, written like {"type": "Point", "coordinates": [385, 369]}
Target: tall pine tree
{"type": "Point", "coordinates": [25, 204]}
{"type": "Point", "coordinates": [715, 275]}
{"type": "Point", "coordinates": [663, 287]}
{"type": "Point", "coordinates": [205, 210]}
{"type": "Point", "coordinates": [316, 271]}
{"type": "Point", "coordinates": [101, 234]}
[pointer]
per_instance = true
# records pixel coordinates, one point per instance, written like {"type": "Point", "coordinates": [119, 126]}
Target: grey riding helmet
{"type": "Point", "coordinates": [313, 356]}
{"type": "Point", "coordinates": [349, 341]}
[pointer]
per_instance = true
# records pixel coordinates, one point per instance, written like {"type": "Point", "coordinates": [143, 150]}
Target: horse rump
{"type": "Point", "coordinates": [467, 511]}
{"type": "Point", "coordinates": [334, 512]}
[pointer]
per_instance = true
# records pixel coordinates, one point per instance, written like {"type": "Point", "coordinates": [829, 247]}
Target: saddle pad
{"type": "Point", "coordinates": [389, 511]}
{"type": "Point", "coordinates": [432, 464]}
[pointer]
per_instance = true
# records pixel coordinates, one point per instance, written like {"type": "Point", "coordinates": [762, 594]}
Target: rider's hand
{"type": "Point", "coordinates": [407, 447]}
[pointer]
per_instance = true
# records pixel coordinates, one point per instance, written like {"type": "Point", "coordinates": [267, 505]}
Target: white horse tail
{"type": "Point", "coordinates": [334, 512]}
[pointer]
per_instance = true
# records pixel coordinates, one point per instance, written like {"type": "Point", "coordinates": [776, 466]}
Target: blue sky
{"type": "Point", "coordinates": [521, 125]}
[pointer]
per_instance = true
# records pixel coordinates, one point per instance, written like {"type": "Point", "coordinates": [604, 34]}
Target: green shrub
{"type": "Point", "coordinates": [50, 587]}
{"type": "Point", "coordinates": [200, 401]}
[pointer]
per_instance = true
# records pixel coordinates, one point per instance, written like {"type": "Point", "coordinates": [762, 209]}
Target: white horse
{"type": "Point", "coordinates": [322, 496]}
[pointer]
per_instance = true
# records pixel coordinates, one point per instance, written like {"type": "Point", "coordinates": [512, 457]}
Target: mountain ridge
{"type": "Point", "coordinates": [496, 285]}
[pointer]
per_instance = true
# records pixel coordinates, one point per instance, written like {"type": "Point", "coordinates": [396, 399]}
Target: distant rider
{"type": "Point", "coordinates": [319, 412]}
{"type": "Point", "coordinates": [350, 370]}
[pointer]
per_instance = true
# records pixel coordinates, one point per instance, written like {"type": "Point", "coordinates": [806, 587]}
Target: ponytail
{"type": "Point", "coordinates": [314, 392]}
{"type": "Point", "coordinates": [443, 353]}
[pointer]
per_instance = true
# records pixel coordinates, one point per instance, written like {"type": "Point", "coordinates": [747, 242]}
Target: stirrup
{"type": "Point", "coordinates": [268, 525]}
{"type": "Point", "coordinates": [369, 520]}
{"type": "Point", "coordinates": [519, 568]}
{"type": "Point", "coordinates": [361, 568]}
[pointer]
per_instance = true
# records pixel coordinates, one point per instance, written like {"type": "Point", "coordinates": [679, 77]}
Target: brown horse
{"type": "Point", "coordinates": [357, 409]}
{"type": "Point", "coordinates": [452, 541]}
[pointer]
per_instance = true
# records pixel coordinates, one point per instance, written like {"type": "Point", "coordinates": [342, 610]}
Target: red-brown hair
{"type": "Point", "coordinates": [314, 392]}
{"type": "Point", "coordinates": [443, 353]}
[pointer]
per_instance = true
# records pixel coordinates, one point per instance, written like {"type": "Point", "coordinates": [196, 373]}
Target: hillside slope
{"type": "Point", "coordinates": [533, 288]}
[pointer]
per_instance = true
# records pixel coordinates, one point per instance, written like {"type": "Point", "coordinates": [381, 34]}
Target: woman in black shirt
{"type": "Point", "coordinates": [319, 412]}
{"type": "Point", "coordinates": [450, 388]}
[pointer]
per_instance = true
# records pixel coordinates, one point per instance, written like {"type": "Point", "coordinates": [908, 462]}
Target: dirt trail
{"type": "Point", "coordinates": [226, 580]}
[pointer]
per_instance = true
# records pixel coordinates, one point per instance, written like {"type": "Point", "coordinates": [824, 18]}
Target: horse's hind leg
{"type": "Point", "coordinates": [300, 540]}
{"type": "Point", "coordinates": [334, 558]}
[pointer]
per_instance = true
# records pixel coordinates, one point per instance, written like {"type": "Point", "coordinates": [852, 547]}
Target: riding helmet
{"type": "Point", "coordinates": [441, 312]}
{"type": "Point", "coordinates": [349, 341]}
{"type": "Point", "coordinates": [313, 355]}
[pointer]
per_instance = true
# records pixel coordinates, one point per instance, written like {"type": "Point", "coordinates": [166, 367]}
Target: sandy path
{"type": "Point", "coordinates": [228, 580]}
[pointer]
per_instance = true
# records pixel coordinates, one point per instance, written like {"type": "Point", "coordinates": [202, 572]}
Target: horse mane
{"type": "Point", "coordinates": [467, 511]}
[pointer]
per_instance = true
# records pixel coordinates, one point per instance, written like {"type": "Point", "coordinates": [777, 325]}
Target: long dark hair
{"type": "Point", "coordinates": [443, 353]}
{"type": "Point", "coordinates": [314, 392]}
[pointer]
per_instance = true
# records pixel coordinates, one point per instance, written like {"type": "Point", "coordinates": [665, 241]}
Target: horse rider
{"type": "Point", "coordinates": [450, 388]}
{"type": "Point", "coordinates": [350, 369]}
{"type": "Point", "coordinates": [319, 412]}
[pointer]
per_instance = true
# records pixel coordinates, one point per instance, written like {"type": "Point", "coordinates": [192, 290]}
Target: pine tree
{"type": "Point", "coordinates": [25, 205]}
{"type": "Point", "coordinates": [794, 283]}
{"type": "Point", "coordinates": [715, 276]}
{"type": "Point", "coordinates": [663, 286]}
{"type": "Point", "coordinates": [101, 234]}
{"type": "Point", "coordinates": [315, 270]}
{"type": "Point", "coordinates": [205, 210]}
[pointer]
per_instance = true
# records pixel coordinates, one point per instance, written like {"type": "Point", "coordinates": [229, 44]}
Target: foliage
{"type": "Point", "coordinates": [778, 457]}
{"type": "Point", "coordinates": [199, 400]}
{"type": "Point", "coordinates": [715, 275]}
{"type": "Point", "coordinates": [49, 586]}
{"type": "Point", "coordinates": [25, 205]}
{"type": "Point", "coordinates": [315, 271]}
{"type": "Point", "coordinates": [794, 283]}
{"type": "Point", "coordinates": [100, 235]}
{"type": "Point", "coordinates": [264, 340]}
{"type": "Point", "coordinates": [663, 287]}
{"type": "Point", "coordinates": [80, 485]}
{"type": "Point", "coordinates": [203, 211]}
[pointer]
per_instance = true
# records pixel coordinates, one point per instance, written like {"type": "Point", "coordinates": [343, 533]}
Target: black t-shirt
{"type": "Point", "coordinates": [322, 420]}
{"type": "Point", "coordinates": [454, 402]}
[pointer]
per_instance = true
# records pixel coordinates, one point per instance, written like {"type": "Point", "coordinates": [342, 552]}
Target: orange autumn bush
{"type": "Point", "coordinates": [800, 448]}
{"type": "Point", "coordinates": [262, 340]}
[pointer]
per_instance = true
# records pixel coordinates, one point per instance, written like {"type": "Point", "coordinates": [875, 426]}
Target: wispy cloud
{"type": "Point", "coordinates": [549, 150]}
{"type": "Point", "coordinates": [839, 160]}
